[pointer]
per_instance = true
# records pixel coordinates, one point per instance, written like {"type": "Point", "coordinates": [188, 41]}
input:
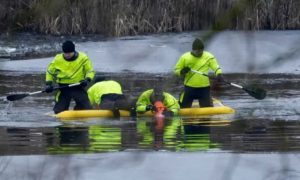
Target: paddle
{"type": "Point", "coordinates": [255, 92]}
{"type": "Point", "coordinates": [14, 97]}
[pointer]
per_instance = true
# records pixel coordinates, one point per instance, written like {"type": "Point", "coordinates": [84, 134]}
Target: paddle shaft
{"type": "Point", "coordinates": [70, 85]}
{"type": "Point", "coordinates": [14, 97]}
{"type": "Point", "coordinates": [232, 84]}
{"type": "Point", "coordinates": [61, 87]}
{"type": "Point", "coordinates": [255, 92]}
{"type": "Point", "coordinates": [56, 88]}
{"type": "Point", "coordinates": [36, 92]}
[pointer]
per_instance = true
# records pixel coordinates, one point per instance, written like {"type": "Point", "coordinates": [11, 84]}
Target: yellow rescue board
{"type": "Point", "coordinates": [72, 114]}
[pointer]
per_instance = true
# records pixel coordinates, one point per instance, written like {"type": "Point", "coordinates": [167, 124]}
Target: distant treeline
{"type": "Point", "coordinates": [132, 17]}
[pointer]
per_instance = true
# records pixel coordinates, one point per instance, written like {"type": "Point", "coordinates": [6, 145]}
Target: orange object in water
{"type": "Point", "coordinates": [159, 116]}
{"type": "Point", "coordinates": [160, 107]}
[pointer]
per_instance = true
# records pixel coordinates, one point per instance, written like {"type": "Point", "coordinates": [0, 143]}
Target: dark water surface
{"type": "Point", "coordinates": [261, 141]}
{"type": "Point", "coordinates": [269, 125]}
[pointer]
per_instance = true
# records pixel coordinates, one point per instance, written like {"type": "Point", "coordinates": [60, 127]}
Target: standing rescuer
{"type": "Point", "coordinates": [68, 68]}
{"type": "Point", "coordinates": [197, 86]}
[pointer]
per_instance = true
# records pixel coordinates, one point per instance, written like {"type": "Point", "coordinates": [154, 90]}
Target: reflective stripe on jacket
{"type": "Point", "coordinates": [96, 91]}
{"type": "Point", "coordinates": [69, 72]}
{"type": "Point", "coordinates": [169, 101]}
{"type": "Point", "coordinates": [203, 64]}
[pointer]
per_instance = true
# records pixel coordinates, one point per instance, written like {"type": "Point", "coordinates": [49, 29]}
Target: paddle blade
{"type": "Point", "coordinates": [15, 97]}
{"type": "Point", "coordinates": [256, 92]}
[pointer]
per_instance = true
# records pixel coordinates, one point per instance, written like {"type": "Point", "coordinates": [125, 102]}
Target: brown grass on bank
{"type": "Point", "coordinates": [132, 17]}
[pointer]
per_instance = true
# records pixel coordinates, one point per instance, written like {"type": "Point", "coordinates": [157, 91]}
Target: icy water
{"type": "Point", "coordinates": [258, 125]}
{"type": "Point", "coordinates": [260, 141]}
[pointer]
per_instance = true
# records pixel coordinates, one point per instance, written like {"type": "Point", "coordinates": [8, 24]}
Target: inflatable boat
{"type": "Point", "coordinates": [219, 108]}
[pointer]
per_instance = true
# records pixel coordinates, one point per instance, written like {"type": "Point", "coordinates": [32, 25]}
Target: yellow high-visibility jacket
{"type": "Point", "coordinates": [203, 64]}
{"type": "Point", "coordinates": [69, 72]}
{"type": "Point", "coordinates": [96, 91]}
{"type": "Point", "coordinates": [170, 102]}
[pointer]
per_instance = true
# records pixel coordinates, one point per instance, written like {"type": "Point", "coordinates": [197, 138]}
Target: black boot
{"type": "Point", "coordinates": [116, 113]}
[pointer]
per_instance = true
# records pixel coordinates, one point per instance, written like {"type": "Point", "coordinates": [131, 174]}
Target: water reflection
{"type": "Point", "coordinates": [25, 140]}
{"type": "Point", "coordinates": [197, 137]}
{"type": "Point", "coordinates": [91, 139]}
{"type": "Point", "coordinates": [147, 134]}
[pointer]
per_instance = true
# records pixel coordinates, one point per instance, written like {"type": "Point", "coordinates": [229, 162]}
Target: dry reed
{"type": "Point", "coordinates": [133, 17]}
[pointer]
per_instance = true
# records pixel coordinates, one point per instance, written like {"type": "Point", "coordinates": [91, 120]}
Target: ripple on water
{"type": "Point", "coordinates": [29, 124]}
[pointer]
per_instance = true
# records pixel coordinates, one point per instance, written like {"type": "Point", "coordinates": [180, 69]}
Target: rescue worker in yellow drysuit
{"type": "Point", "coordinates": [107, 94]}
{"type": "Point", "coordinates": [197, 86]}
{"type": "Point", "coordinates": [67, 68]}
{"type": "Point", "coordinates": [147, 99]}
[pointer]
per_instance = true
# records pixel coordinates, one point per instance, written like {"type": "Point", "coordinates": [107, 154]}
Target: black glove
{"type": "Point", "coordinates": [185, 70]}
{"type": "Point", "coordinates": [85, 82]}
{"type": "Point", "coordinates": [150, 107]}
{"type": "Point", "coordinates": [49, 87]}
{"type": "Point", "coordinates": [220, 78]}
{"type": "Point", "coordinates": [168, 113]}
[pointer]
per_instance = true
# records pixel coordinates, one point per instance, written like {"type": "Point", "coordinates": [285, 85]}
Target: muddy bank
{"type": "Point", "coordinates": [16, 46]}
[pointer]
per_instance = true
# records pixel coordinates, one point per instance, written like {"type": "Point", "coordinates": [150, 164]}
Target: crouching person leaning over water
{"type": "Point", "coordinates": [197, 86]}
{"type": "Point", "coordinates": [147, 101]}
{"type": "Point", "coordinates": [107, 94]}
{"type": "Point", "coordinates": [67, 68]}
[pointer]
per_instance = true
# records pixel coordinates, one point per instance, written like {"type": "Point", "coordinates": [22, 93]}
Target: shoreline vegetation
{"type": "Point", "coordinates": [115, 18]}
